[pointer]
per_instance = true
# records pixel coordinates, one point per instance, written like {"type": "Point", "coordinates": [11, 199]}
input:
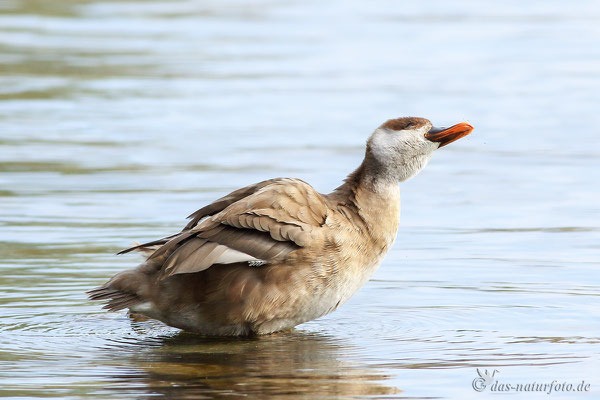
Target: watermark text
{"type": "Point", "coordinates": [489, 380]}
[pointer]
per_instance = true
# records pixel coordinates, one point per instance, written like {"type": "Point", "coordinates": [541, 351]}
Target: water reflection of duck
{"type": "Point", "coordinates": [291, 365]}
{"type": "Point", "coordinates": [275, 254]}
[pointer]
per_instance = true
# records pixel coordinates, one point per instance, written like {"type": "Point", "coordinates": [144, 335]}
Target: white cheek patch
{"type": "Point", "coordinates": [384, 143]}
{"type": "Point", "coordinates": [404, 153]}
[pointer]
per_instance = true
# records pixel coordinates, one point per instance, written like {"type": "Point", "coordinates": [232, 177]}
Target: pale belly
{"type": "Point", "coordinates": [327, 300]}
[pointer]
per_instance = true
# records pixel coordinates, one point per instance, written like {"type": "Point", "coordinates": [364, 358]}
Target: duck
{"type": "Point", "coordinates": [275, 254]}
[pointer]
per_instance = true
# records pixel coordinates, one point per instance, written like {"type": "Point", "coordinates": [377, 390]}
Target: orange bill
{"type": "Point", "coordinates": [445, 136]}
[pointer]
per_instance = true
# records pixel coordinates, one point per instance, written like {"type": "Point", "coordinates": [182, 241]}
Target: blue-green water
{"type": "Point", "coordinates": [118, 119]}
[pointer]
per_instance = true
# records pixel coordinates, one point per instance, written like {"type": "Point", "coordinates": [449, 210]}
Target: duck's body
{"type": "Point", "coordinates": [272, 255]}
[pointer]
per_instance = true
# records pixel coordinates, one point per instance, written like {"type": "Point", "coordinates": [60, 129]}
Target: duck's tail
{"type": "Point", "coordinates": [117, 299]}
{"type": "Point", "coordinates": [126, 289]}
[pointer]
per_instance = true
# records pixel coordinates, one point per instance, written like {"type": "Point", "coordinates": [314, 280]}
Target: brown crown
{"type": "Point", "coordinates": [400, 124]}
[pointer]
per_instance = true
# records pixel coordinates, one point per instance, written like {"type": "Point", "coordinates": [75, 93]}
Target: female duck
{"type": "Point", "coordinates": [270, 256]}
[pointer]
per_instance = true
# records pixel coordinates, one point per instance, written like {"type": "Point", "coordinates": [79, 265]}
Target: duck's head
{"type": "Point", "coordinates": [401, 147]}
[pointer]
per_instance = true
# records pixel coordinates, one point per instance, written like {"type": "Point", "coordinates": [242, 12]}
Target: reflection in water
{"type": "Point", "coordinates": [292, 363]}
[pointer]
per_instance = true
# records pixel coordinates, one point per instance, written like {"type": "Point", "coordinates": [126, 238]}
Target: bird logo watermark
{"type": "Point", "coordinates": [484, 380]}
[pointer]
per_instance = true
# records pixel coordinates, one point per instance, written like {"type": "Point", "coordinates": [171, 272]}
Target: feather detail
{"type": "Point", "coordinates": [220, 204]}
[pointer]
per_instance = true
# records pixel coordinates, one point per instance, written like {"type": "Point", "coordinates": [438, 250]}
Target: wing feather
{"type": "Point", "coordinates": [186, 250]}
{"type": "Point", "coordinates": [220, 204]}
{"type": "Point", "coordinates": [262, 222]}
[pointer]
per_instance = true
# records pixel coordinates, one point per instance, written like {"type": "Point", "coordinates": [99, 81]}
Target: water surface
{"type": "Point", "coordinates": [118, 119]}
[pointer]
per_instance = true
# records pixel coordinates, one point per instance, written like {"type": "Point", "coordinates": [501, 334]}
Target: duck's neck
{"type": "Point", "coordinates": [368, 180]}
{"type": "Point", "coordinates": [375, 199]}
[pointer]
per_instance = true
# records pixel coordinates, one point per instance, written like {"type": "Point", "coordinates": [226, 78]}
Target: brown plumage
{"type": "Point", "coordinates": [275, 254]}
{"type": "Point", "coordinates": [400, 124]}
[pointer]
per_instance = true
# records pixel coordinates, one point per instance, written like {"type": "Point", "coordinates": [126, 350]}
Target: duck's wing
{"type": "Point", "coordinates": [211, 209]}
{"type": "Point", "coordinates": [220, 204]}
{"type": "Point", "coordinates": [261, 227]}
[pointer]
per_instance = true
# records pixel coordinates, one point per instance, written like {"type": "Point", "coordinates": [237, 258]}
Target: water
{"type": "Point", "coordinates": [118, 119]}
